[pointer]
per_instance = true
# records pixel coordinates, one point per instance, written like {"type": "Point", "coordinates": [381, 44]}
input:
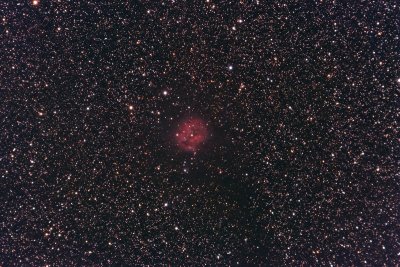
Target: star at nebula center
{"type": "Point", "coordinates": [191, 134]}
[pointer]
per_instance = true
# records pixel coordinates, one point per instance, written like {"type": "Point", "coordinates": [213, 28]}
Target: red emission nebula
{"type": "Point", "coordinates": [191, 134]}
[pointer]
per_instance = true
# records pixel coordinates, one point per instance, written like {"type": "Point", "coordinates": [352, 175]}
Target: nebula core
{"type": "Point", "coordinates": [191, 134]}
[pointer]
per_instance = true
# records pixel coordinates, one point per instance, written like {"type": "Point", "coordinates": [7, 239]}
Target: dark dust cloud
{"type": "Point", "coordinates": [295, 161]}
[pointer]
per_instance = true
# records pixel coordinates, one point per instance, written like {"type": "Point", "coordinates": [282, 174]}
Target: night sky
{"type": "Point", "coordinates": [199, 133]}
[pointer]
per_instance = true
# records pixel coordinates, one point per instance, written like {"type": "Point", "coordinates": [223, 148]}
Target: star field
{"type": "Point", "coordinates": [194, 133]}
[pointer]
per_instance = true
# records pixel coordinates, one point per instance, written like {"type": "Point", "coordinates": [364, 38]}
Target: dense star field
{"type": "Point", "coordinates": [199, 133]}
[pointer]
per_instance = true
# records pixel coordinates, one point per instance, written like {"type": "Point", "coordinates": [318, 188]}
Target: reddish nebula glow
{"type": "Point", "coordinates": [191, 134]}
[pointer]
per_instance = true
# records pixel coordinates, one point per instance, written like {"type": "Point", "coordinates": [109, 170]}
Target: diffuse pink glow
{"type": "Point", "coordinates": [191, 134]}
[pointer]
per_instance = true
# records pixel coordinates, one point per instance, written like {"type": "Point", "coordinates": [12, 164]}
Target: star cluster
{"type": "Point", "coordinates": [300, 166]}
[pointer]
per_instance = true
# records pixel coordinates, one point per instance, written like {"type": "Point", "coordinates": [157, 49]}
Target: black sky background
{"type": "Point", "coordinates": [300, 165]}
